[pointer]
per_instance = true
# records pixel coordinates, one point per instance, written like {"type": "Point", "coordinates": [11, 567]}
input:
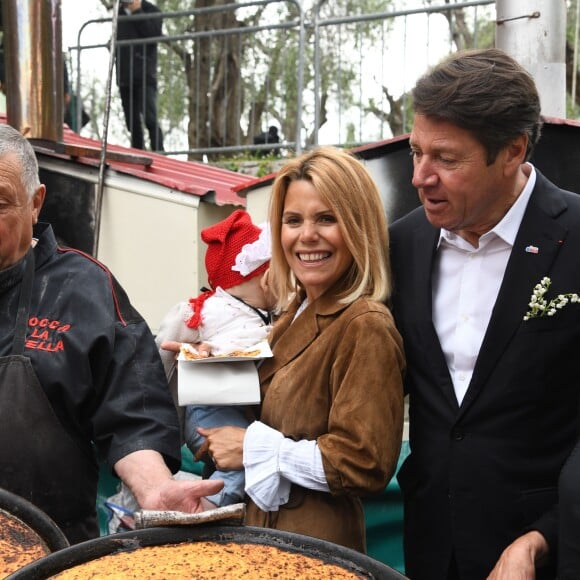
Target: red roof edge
{"type": "Point", "coordinates": [188, 177]}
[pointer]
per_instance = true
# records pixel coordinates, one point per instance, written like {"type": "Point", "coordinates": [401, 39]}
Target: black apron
{"type": "Point", "coordinates": [39, 459]}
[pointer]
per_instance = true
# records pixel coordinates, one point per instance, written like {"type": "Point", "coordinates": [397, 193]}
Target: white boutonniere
{"type": "Point", "coordinates": [539, 306]}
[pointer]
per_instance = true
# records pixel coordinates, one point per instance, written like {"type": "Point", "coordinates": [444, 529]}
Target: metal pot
{"type": "Point", "coordinates": [34, 518]}
{"type": "Point", "coordinates": [354, 561]}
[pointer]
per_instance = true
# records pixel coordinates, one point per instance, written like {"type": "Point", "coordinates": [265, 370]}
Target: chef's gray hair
{"type": "Point", "coordinates": [11, 141]}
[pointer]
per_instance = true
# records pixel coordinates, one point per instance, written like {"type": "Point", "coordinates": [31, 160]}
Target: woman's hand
{"type": "Point", "coordinates": [224, 445]}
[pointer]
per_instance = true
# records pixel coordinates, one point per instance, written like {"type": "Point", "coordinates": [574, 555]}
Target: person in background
{"type": "Point", "coordinates": [569, 518]}
{"type": "Point", "coordinates": [232, 316]}
{"type": "Point", "coordinates": [264, 138]}
{"type": "Point", "coordinates": [137, 71]}
{"type": "Point", "coordinates": [71, 103]}
{"type": "Point", "coordinates": [329, 428]}
{"type": "Point", "coordinates": [80, 375]}
{"type": "Point", "coordinates": [492, 373]}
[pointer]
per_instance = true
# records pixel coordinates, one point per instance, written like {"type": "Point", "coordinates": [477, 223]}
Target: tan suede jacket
{"type": "Point", "coordinates": [336, 377]}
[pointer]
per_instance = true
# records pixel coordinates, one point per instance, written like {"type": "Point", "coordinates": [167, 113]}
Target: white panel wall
{"type": "Point", "coordinates": [150, 241]}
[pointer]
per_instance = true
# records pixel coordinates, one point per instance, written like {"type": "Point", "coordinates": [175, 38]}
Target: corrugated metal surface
{"type": "Point", "coordinates": [254, 183]}
{"type": "Point", "coordinates": [185, 176]}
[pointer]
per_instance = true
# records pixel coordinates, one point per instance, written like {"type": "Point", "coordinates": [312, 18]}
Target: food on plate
{"type": "Point", "coordinates": [189, 353]}
{"type": "Point", "coordinates": [241, 353]}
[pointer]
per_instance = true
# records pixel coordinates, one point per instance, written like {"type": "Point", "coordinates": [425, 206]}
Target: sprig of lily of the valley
{"type": "Point", "coordinates": [539, 306]}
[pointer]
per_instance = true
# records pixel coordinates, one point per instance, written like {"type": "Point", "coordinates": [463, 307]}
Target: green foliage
{"type": "Point", "coordinates": [572, 6]}
{"type": "Point", "coordinates": [484, 34]}
{"type": "Point", "coordinates": [572, 109]}
{"type": "Point", "coordinates": [251, 165]}
{"type": "Point", "coordinates": [350, 135]}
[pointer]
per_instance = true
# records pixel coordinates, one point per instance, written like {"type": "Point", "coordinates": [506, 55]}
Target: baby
{"type": "Point", "coordinates": [233, 315]}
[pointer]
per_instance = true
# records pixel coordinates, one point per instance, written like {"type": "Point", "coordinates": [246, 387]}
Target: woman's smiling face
{"type": "Point", "coordinates": [312, 240]}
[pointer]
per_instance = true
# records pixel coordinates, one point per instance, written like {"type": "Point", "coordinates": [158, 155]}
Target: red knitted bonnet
{"type": "Point", "coordinates": [225, 240]}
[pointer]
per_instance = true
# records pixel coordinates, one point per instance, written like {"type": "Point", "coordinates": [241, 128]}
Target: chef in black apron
{"type": "Point", "coordinates": [29, 434]}
{"type": "Point", "coordinates": [80, 374]}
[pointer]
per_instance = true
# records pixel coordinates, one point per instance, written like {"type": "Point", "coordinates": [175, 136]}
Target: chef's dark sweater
{"type": "Point", "coordinates": [93, 353]}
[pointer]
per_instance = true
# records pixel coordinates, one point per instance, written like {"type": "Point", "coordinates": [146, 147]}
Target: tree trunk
{"type": "Point", "coordinates": [214, 76]}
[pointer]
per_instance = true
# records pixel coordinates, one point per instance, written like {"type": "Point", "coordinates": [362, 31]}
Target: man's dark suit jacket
{"type": "Point", "coordinates": [569, 518]}
{"type": "Point", "coordinates": [482, 474]}
{"type": "Point", "coordinates": [137, 63]}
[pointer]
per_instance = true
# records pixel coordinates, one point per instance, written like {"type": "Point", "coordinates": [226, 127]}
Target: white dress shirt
{"type": "Point", "coordinates": [466, 283]}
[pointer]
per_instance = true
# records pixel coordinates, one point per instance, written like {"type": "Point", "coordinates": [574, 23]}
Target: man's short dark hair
{"type": "Point", "coordinates": [485, 92]}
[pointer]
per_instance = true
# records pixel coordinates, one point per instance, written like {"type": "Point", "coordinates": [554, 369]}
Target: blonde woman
{"type": "Point", "coordinates": [328, 431]}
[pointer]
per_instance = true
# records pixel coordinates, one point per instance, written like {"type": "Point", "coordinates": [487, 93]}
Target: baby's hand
{"type": "Point", "coordinates": [171, 345]}
{"type": "Point", "coordinates": [201, 348]}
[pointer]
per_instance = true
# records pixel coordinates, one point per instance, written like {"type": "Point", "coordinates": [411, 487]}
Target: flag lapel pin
{"type": "Point", "coordinates": [532, 249]}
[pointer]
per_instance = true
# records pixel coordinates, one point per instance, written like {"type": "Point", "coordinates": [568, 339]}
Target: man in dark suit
{"type": "Point", "coordinates": [137, 70]}
{"type": "Point", "coordinates": [493, 382]}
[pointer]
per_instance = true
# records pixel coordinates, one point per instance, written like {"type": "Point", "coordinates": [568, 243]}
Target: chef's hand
{"type": "Point", "coordinates": [183, 495]}
{"type": "Point", "coordinates": [148, 477]}
{"type": "Point", "coordinates": [224, 445]}
{"type": "Point", "coordinates": [202, 348]}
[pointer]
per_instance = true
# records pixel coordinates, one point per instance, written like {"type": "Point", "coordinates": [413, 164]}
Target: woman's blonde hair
{"type": "Point", "coordinates": [346, 187]}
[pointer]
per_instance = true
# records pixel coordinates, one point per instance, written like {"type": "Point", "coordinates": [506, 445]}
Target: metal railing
{"type": "Point", "coordinates": [227, 73]}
